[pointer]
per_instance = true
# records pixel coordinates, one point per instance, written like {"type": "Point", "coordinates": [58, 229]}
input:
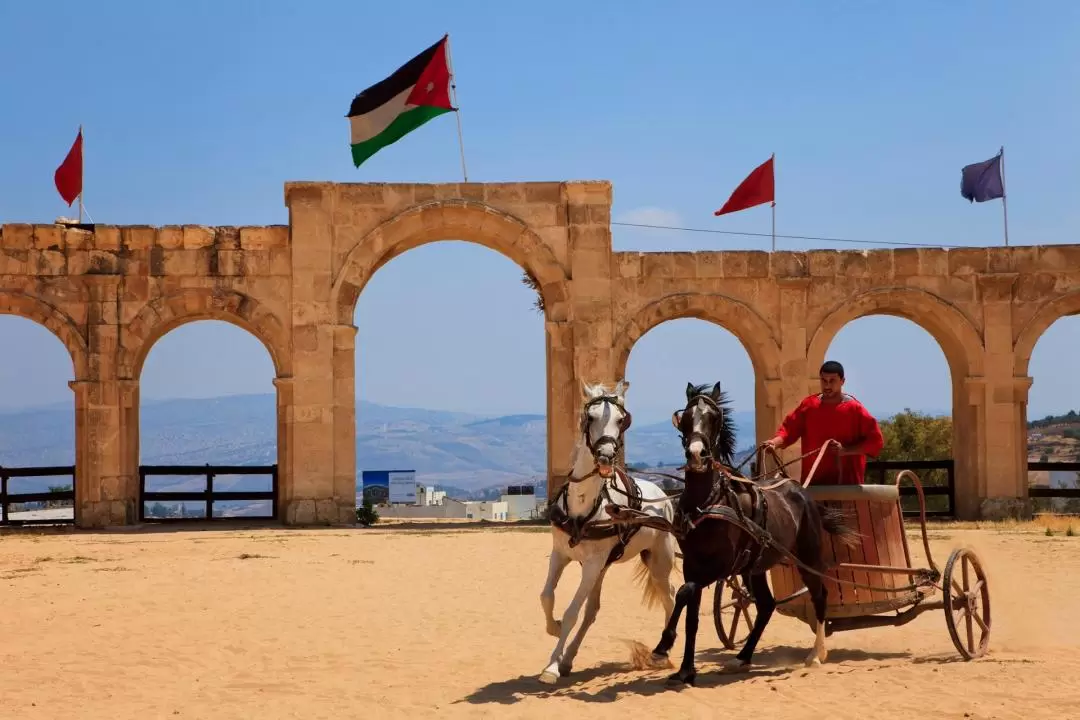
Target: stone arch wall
{"type": "Point", "coordinates": [455, 219]}
{"type": "Point", "coordinates": [59, 324]}
{"type": "Point", "coordinates": [167, 313]}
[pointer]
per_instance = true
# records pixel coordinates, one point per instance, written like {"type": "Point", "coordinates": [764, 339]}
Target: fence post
{"type": "Point", "coordinates": [209, 493]}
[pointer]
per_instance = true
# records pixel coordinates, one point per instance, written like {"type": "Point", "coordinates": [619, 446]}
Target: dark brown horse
{"type": "Point", "coordinates": [727, 525]}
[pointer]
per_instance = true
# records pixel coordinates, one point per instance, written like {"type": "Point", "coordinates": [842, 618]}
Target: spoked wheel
{"type": "Point", "coordinates": [734, 616]}
{"type": "Point", "coordinates": [967, 603]}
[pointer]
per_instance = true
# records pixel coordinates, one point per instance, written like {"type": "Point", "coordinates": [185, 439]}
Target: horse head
{"type": "Point", "coordinates": [604, 419]}
{"type": "Point", "coordinates": [706, 427]}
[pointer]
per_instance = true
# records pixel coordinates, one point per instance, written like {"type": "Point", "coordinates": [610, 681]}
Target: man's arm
{"type": "Point", "coordinates": [791, 429]}
{"type": "Point", "coordinates": [872, 440]}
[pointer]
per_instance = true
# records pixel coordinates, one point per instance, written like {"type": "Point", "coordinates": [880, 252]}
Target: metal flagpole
{"type": "Point", "coordinates": [82, 173]}
{"type": "Point", "coordinates": [773, 158]}
{"type": "Point", "coordinates": [1004, 203]}
{"type": "Point", "coordinates": [457, 108]}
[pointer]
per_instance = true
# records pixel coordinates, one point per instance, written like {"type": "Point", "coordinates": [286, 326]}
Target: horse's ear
{"type": "Point", "coordinates": [621, 387]}
{"type": "Point", "coordinates": [715, 394]}
{"type": "Point", "coordinates": [589, 391]}
{"type": "Point", "coordinates": [689, 390]}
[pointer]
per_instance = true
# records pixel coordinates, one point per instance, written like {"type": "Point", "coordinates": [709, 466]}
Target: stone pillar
{"type": "Point", "coordinates": [308, 479]}
{"type": "Point", "coordinates": [793, 369]}
{"type": "Point", "coordinates": [563, 402]}
{"type": "Point", "coordinates": [106, 452]}
{"type": "Point", "coordinates": [345, 423]}
{"type": "Point", "coordinates": [1003, 482]}
{"type": "Point", "coordinates": [581, 349]}
{"type": "Point", "coordinates": [285, 484]}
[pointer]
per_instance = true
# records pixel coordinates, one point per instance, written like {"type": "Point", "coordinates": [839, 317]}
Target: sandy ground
{"type": "Point", "coordinates": [272, 623]}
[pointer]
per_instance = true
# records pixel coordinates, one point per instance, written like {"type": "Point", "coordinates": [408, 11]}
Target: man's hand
{"type": "Point", "coordinates": [775, 443]}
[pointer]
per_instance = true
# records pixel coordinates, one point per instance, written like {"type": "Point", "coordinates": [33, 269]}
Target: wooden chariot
{"type": "Point", "coordinates": [893, 592]}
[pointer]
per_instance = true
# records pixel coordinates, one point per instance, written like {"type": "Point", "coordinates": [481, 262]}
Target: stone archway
{"type": "Point", "coordinates": [962, 346]}
{"type": "Point", "coordinates": [1033, 330]}
{"type": "Point", "coordinates": [454, 219]}
{"type": "Point", "coordinates": [59, 324]}
{"type": "Point", "coordinates": [752, 331]}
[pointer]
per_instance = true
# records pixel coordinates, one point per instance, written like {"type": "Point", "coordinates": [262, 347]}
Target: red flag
{"type": "Point", "coordinates": [757, 188]}
{"type": "Point", "coordinates": [68, 176]}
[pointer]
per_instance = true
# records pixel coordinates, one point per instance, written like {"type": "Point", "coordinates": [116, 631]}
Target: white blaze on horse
{"type": "Point", "coordinates": [582, 531]}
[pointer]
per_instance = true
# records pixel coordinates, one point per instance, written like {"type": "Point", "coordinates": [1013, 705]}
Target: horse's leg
{"type": "Point", "coordinates": [667, 637]}
{"type": "Point", "coordinates": [765, 604]}
{"type": "Point", "coordinates": [556, 564]}
{"type": "Point", "coordinates": [687, 673]}
{"type": "Point", "coordinates": [819, 595]}
{"type": "Point", "coordinates": [592, 608]}
{"type": "Point", "coordinates": [591, 570]}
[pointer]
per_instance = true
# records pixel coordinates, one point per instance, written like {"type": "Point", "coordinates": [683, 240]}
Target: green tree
{"type": "Point", "coordinates": [912, 435]}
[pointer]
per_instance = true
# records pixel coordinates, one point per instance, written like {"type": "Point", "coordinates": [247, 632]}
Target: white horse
{"type": "Point", "coordinates": [593, 483]}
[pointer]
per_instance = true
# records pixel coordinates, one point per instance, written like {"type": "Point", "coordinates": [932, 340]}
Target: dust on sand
{"type": "Point", "coordinates": [273, 623]}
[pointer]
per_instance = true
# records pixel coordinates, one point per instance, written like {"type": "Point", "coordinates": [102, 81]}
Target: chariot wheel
{"type": "Point", "coordinates": [733, 618]}
{"type": "Point", "coordinates": [967, 603]}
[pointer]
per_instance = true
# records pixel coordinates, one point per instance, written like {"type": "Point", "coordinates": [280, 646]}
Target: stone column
{"type": "Point", "coordinates": [308, 475]}
{"type": "Point", "coordinates": [1003, 482]}
{"type": "Point", "coordinates": [582, 348]}
{"type": "Point", "coordinates": [345, 423]}
{"type": "Point", "coordinates": [106, 452]}
{"type": "Point", "coordinates": [793, 370]}
{"type": "Point", "coordinates": [563, 393]}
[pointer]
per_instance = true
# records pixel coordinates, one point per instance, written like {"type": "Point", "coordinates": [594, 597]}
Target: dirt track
{"type": "Point", "coordinates": [392, 623]}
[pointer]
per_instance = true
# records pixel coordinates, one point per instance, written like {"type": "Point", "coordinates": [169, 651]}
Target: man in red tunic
{"type": "Point", "coordinates": [832, 415]}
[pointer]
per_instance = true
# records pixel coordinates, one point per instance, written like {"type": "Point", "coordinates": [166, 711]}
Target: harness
{"type": "Point", "coordinates": [579, 527]}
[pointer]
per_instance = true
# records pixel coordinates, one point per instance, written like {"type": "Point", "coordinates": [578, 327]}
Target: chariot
{"type": "Point", "coordinates": [875, 583]}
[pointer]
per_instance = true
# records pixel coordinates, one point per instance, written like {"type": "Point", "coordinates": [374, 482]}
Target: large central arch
{"type": "Point", "coordinates": [453, 219]}
{"type": "Point", "coordinates": [962, 346]}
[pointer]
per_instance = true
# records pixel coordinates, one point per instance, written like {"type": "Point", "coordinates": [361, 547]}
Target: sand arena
{"type": "Point", "coordinates": [427, 622]}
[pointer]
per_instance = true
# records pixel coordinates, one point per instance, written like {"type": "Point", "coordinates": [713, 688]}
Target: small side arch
{"type": "Point", "coordinates": [1047, 315]}
{"type": "Point", "coordinates": [752, 330]}
{"type": "Point", "coordinates": [62, 326]}
{"type": "Point", "coordinates": [166, 313]}
{"type": "Point", "coordinates": [952, 329]}
{"type": "Point", "coordinates": [453, 219]}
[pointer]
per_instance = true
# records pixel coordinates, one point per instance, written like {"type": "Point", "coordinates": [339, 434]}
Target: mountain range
{"type": "Point", "coordinates": [468, 455]}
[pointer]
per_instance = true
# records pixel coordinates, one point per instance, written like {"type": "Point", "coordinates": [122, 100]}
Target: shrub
{"type": "Point", "coordinates": [366, 515]}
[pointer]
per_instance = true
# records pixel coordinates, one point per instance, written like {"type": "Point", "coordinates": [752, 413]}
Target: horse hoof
{"type": "Point", "coordinates": [681, 679]}
{"type": "Point", "coordinates": [813, 661]}
{"type": "Point", "coordinates": [735, 665]}
{"type": "Point", "coordinates": [549, 678]}
{"type": "Point", "coordinates": [555, 629]}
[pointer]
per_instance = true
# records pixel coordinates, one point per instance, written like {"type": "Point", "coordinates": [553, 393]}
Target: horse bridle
{"type": "Point", "coordinates": [624, 424]}
{"type": "Point", "coordinates": [708, 442]}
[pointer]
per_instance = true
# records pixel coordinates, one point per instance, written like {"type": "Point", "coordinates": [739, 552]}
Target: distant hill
{"type": "Point", "coordinates": [466, 454]}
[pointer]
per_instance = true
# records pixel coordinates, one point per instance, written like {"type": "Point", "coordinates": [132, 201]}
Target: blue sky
{"type": "Point", "coordinates": [198, 112]}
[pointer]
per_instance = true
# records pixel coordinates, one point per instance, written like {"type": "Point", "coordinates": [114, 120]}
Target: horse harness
{"type": "Point", "coordinates": [579, 527]}
{"type": "Point", "coordinates": [723, 502]}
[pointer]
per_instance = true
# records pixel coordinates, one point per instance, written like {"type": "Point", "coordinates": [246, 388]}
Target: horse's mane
{"type": "Point", "coordinates": [725, 439]}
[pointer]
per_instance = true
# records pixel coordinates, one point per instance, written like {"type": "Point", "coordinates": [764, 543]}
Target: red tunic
{"type": "Point", "coordinates": [848, 422]}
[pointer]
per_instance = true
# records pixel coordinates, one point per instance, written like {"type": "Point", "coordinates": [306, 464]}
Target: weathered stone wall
{"type": "Point", "coordinates": [109, 294]}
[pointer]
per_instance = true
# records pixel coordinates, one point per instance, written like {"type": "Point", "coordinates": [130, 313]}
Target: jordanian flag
{"type": "Point", "coordinates": [387, 111]}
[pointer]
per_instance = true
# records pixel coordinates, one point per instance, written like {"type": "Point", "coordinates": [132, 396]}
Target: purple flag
{"type": "Point", "coordinates": [981, 181]}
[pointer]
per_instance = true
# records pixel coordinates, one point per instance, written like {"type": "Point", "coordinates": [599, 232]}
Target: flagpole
{"type": "Point", "coordinates": [82, 172]}
{"type": "Point", "coordinates": [457, 110]}
{"type": "Point", "coordinates": [1004, 202]}
{"type": "Point", "coordinates": [773, 158]}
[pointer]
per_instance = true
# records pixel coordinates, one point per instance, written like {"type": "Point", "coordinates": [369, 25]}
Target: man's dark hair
{"type": "Point", "coordinates": [833, 367]}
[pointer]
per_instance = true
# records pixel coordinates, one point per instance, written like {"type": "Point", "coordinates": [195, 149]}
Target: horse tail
{"type": "Point", "coordinates": [835, 523]}
{"type": "Point", "coordinates": [652, 590]}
